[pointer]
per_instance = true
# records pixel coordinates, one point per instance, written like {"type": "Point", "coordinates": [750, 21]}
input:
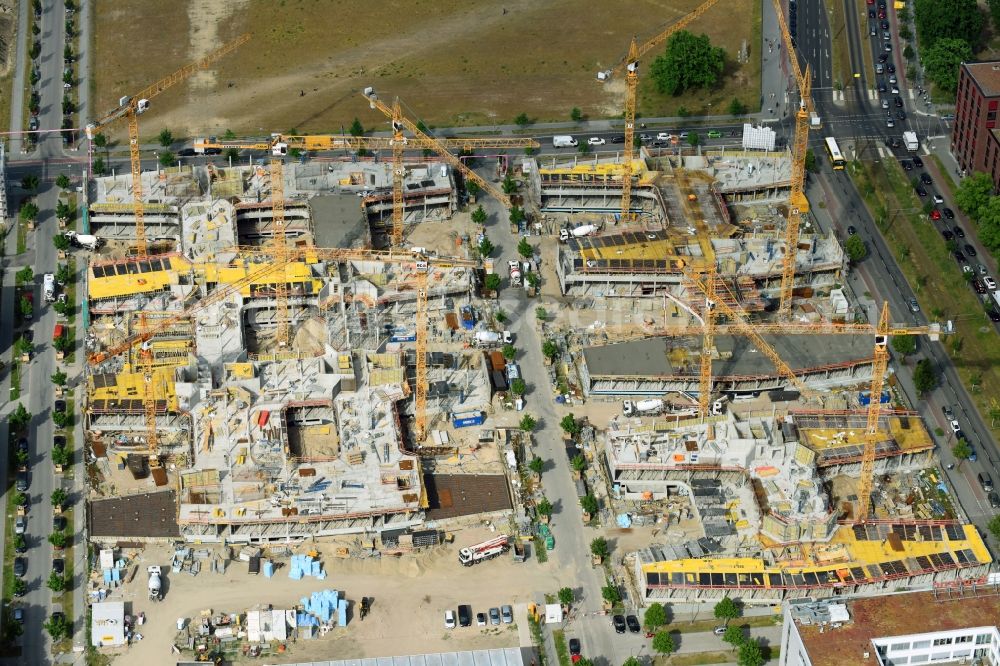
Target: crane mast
{"type": "Point", "coordinates": [280, 253]}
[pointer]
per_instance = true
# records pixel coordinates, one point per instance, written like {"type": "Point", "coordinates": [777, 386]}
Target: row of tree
{"type": "Point", "coordinates": [950, 32]}
{"type": "Point", "coordinates": [976, 199]}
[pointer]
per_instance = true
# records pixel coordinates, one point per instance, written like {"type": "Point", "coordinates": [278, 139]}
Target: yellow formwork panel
{"type": "Point", "coordinates": [130, 284]}
{"type": "Point", "coordinates": [652, 249]}
{"type": "Point", "coordinates": [292, 273]}
{"type": "Point", "coordinates": [603, 168]}
{"type": "Point", "coordinates": [133, 386]}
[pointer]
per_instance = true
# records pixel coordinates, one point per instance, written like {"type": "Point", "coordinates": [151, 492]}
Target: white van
{"type": "Point", "coordinates": [563, 141]}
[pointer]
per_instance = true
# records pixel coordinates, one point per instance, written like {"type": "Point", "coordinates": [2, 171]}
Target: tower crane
{"type": "Point", "coordinates": [631, 67]}
{"type": "Point", "coordinates": [798, 205]}
{"type": "Point", "coordinates": [131, 107]}
{"type": "Point", "coordinates": [280, 251]}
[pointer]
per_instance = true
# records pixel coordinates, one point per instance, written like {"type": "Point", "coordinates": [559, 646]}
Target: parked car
{"type": "Point", "coordinates": [480, 619]}
{"type": "Point", "coordinates": [948, 235]}
{"type": "Point", "coordinates": [633, 623]}
{"type": "Point", "coordinates": [714, 134]}
{"type": "Point", "coordinates": [507, 614]}
{"type": "Point", "coordinates": [851, 230]}
{"type": "Point", "coordinates": [619, 623]}
{"type": "Point", "coordinates": [58, 565]}
{"type": "Point", "coordinates": [20, 525]}
{"type": "Point", "coordinates": [596, 141]}
{"type": "Point", "coordinates": [494, 616]}
{"type": "Point", "coordinates": [935, 214]}
{"type": "Point", "coordinates": [993, 315]}
{"type": "Point", "coordinates": [59, 405]}
{"type": "Point", "coordinates": [23, 481]}
{"type": "Point", "coordinates": [959, 231]}
{"type": "Point", "coordinates": [948, 213]}
{"type": "Point", "coordinates": [719, 631]}
{"type": "Point", "coordinates": [969, 250]}
{"type": "Point", "coordinates": [20, 567]}
{"type": "Point", "coordinates": [990, 283]}
{"type": "Point", "coordinates": [914, 305]}
{"type": "Point", "coordinates": [921, 192]}
{"type": "Point", "coordinates": [925, 178]}
{"type": "Point", "coordinates": [449, 619]}
{"type": "Point", "coordinates": [465, 615]}
{"type": "Point", "coordinates": [58, 523]}
{"type": "Point", "coordinates": [574, 647]}
{"type": "Point", "coordinates": [907, 165]}
{"type": "Point", "coordinates": [618, 138]}
{"type": "Point", "coordinates": [917, 162]}
{"type": "Point", "coordinates": [890, 68]}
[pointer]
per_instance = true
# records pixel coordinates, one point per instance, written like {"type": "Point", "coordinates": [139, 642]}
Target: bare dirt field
{"type": "Point", "coordinates": [452, 63]}
{"type": "Point", "coordinates": [411, 594]}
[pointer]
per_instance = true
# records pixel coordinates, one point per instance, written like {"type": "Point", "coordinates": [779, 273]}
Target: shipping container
{"type": "Point", "coordinates": [466, 419]}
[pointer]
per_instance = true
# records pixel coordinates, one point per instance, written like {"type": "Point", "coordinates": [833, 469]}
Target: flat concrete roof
{"type": "Point", "coordinates": [139, 515]}
{"type": "Point", "coordinates": [338, 221]}
{"type": "Point", "coordinates": [648, 357]}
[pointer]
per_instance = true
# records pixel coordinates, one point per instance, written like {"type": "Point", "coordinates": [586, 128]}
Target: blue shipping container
{"type": "Point", "coordinates": [864, 399]}
{"type": "Point", "coordinates": [468, 319]}
{"type": "Point", "coordinates": [403, 337]}
{"type": "Point", "coordinates": [466, 419]}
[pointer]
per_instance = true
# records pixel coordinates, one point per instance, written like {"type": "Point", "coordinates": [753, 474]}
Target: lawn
{"type": "Point", "coordinates": [452, 63]}
{"type": "Point", "coordinates": [840, 64]}
{"type": "Point", "coordinates": [921, 252]}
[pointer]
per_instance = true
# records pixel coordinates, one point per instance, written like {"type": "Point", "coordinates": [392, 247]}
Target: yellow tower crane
{"type": "Point", "coordinates": [280, 252]}
{"type": "Point", "coordinates": [145, 354]}
{"type": "Point", "coordinates": [131, 107]}
{"type": "Point", "coordinates": [798, 205]}
{"type": "Point", "coordinates": [631, 67]}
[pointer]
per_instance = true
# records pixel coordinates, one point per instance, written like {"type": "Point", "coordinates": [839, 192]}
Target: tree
{"type": "Point", "coordinates": [989, 224]}
{"type": "Point", "coordinates": [58, 539]}
{"type": "Point", "coordinates": [737, 108]}
{"type": "Point", "coordinates": [974, 193]}
{"type": "Point", "coordinates": [576, 115]}
{"type": "Point", "coordinates": [961, 450]}
{"type": "Point", "coordinates": [99, 167]}
{"type": "Point", "coordinates": [856, 249]}
{"type": "Point", "coordinates": [20, 499]}
{"type": "Point", "coordinates": [516, 216]}
{"type": "Point", "coordinates": [589, 504]}
{"type": "Point", "coordinates": [941, 19]}
{"type": "Point", "coordinates": [64, 274]}
{"type": "Point", "coordinates": [27, 309]}
{"type": "Point", "coordinates": [518, 387]}
{"type": "Point", "coordinates": [544, 507]}
{"type": "Point", "coordinates": [522, 120]}
{"type": "Point", "coordinates": [19, 417]}
{"type": "Point", "coordinates": [631, 661]}
{"type": "Point", "coordinates": [485, 247]}
{"type": "Point", "coordinates": [693, 139]}
{"type": "Point", "coordinates": [541, 314]}
{"type": "Point", "coordinates": [479, 215]}
{"type": "Point", "coordinates": [509, 352]}
{"type": "Point", "coordinates": [68, 53]}
{"type": "Point", "coordinates": [525, 249]}
{"type": "Point", "coordinates": [22, 347]}
{"type": "Point", "coordinates": [908, 53]}
{"type": "Point", "coordinates": [64, 343]}
{"type": "Point", "coordinates": [750, 654]}
{"type": "Point", "coordinates": [56, 582]}
{"type": "Point", "coordinates": [942, 61]}
{"type": "Point", "coordinates": [24, 275]}
{"type": "Point", "coordinates": [994, 526]}
{"type": "Point", "coordinates": [30, 182]}
{"type": "Point", "coordinates": [100, 141]}
{"type": "Point", "coordinates": [904, 344]}
{"type": "Point", "coordinates": [654, 617]}
{"type": "Point", "coordinates": [579, 463]}
{"type": "Point", "coordinates": [232, 154]}
{"type": "Point", "coordinates": [727, 609]}
{"type": "Point", "coordinates": [356, 129]}
{"type": "Point", "coordinates": [689, 62]}
{"type": "Point", "coordinates": [536, 465]}
{"type": "Point", "coordinates": [550, 349]}
{"type": "Point", "coordinates": [492, 282]}
{"type": "Point", "coordinates": [599, 548]}
{"type": "Point", "coordinates": [509, 186]}
{"type": "Point", "coordinates": [63, 419]}
{"type": "Point", "coordinates": [59, 497]}
{"type": "Point", "coordinates": [528, 423]}
{"type": "Point", "coordinates": [811, 164]}
{"type": "Point", "coordinates": [663, 642]}
{"type": "Point", "coordinates": [58, 626]}
{"type": "Point", "coordinates": [472, 187]}
{"type": "Point", "coordinates": [610, 593]}
{"type": "Point", "coordinates": [29, 211]}
{"type": "Point", "coordinates": [167, 159]}
{"type": "Point", "coordinates": [566, 596]}
{"type": "Point", "coordinates": [63, 210]}
{"type": "Point", "coordinates": [500, 316]}
{"type": "Point", "coordinates": [534, 280]}
{"type": "Point", "coordinates": [166, 137]}
{"type": "Point", "coordinates": [925, 377]}
{"type": "Point", "coordinates": [61, 242]}
{"type": "Point", "coordinates": [62, 455]}
{"type": "Point", "coordinates": [994, 7]}
{"type": "Point", "coordinates": [570, 425]}
{"type": "Point", "coordinates": [734, 636]}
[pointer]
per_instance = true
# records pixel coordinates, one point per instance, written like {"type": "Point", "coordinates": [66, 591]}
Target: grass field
{"type": "Point", "coordinates": [840, 63]}
{"type": "Point", "coordinates": [452, 63]}
{"type": "Point", "coordinates": [921, 253]}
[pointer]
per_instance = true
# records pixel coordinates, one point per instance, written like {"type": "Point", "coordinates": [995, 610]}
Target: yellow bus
{"type": "Point", "coordinates": [833, 152]}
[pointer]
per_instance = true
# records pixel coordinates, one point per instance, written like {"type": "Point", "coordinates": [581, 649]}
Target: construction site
{"type": "Point", "coordinates": [294, 349]}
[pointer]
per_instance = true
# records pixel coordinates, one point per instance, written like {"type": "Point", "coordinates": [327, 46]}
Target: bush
{"type": "Point", "coordinates": [528, 423]}
{"type": "Point", "coordinates": [655, 616]}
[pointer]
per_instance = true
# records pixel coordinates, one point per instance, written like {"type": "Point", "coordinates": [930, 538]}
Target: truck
{"type": "Point", "coordinates": [487, 338]}
{"type": "Point", "coordinates": [466, 419]}
{"type": "Point", "coordinates": [86, 241]}
{"type": "Point", "coordinates": [996, 297]}
{"type": "Point", "coordinates": [642, 407]}
{"type": "Point", "coordinates": [513, 372]}
{"type": "Point", "coordinates": [563, 141]}
{"type": "Point", "coordinates": [49, 287]}
{"type": "Point", "coordinates": [468, 317]}
{"type": "Point", "coordinates": [910, 141]}
{"type": "Point", "coordinates": [155, 584]}
{"type": "Point", "coordinates": [514, 268]}
{"type": "Point", "coordinates": [485, 550]}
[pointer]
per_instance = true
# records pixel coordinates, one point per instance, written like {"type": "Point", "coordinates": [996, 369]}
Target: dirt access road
{"type": "Point", "coordinates": [468, 62]}
{"type": "Point", "coordinates": [411, 594]}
